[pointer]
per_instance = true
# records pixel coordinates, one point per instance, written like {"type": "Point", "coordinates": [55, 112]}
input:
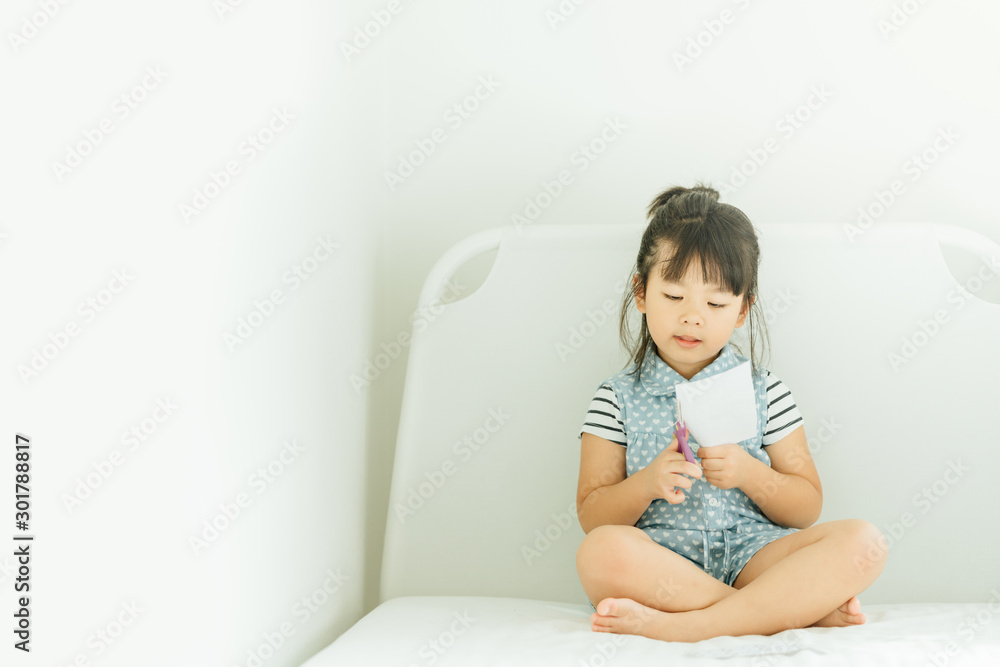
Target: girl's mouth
{"type": "Point", "coordinates": [687, 343]}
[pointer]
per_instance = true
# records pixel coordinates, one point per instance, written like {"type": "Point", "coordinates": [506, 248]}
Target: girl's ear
{"type": "Point", "coordinates": [639, 292]}
{"type": "Point", "coordinates": [745, 312]}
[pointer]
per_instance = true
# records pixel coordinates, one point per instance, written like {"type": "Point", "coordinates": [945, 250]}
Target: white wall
{"type": "Point", "coordinates": [162, 335]}
{"type": "Point", "coordinates": [880, 94]}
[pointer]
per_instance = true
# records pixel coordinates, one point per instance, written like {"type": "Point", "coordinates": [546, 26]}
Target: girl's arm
{"type": "Point", "coordinates": [605, 495]}
{"type": "Point", "coordinates": [788, 491]}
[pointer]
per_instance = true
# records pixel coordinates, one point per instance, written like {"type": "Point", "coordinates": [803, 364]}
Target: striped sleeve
{"type": "Point", "coordinates": [604, 417]}
{"type": "Point", "coordinates": [783, 415]}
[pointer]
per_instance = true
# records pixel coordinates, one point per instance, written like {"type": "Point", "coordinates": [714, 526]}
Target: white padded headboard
{"type": "Point", "coordinates": [895, 369]}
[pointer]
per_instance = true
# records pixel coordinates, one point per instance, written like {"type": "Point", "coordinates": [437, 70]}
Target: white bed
{"type": "Point", "coordinates": [880, 346]}
{"type": "Point", "coordinates": [468, 631]}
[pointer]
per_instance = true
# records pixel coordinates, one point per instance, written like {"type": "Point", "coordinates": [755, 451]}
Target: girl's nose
{"type": "Point", "coordinates": [691, 317]}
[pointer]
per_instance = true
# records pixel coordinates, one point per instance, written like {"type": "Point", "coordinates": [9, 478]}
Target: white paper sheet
{"type": "Point", "coordinates": [720, 409]}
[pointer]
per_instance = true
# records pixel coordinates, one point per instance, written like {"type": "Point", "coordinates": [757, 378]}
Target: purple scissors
{"type": "Point", "coordinates": [681, 433]}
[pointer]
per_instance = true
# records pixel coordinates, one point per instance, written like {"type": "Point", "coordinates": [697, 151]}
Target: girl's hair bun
{"type": "Point", "coordinates": [709, 191]}
{"type": "Point", "coordinates": [682, 203]}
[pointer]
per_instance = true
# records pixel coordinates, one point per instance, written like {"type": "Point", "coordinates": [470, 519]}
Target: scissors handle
{"type": "Point", "coordinates": [682, 442]}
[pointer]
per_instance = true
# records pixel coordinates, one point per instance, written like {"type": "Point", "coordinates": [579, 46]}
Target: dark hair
{"type": "Point", "coordinates": [695, 225]}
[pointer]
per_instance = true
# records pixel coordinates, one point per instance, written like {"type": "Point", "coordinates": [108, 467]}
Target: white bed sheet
{"type": "Point", "coordinates": [483, 631]}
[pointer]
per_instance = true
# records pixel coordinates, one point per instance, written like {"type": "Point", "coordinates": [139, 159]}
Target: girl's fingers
{"type": "Point", "coordinates": [712, 464]}
{"type": "Point", "coordinates": [679, 480]}
{"type": "Point", "coordinates": [674, 497]}
{"type": "Point", "coordinates": [671, 455]}
{"type": "Point", "coordinates": [684, 467]}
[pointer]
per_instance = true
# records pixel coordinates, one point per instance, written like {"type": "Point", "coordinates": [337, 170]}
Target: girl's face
{"type": "Point", "coordinates": [691, 309]}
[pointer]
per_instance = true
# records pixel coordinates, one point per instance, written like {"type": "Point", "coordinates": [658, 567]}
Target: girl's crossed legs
{"type": "Point", "coordinates": [810, 577]}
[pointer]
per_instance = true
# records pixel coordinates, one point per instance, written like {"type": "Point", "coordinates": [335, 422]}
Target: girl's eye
{"type": "Point", "coordinates": [713, 305]}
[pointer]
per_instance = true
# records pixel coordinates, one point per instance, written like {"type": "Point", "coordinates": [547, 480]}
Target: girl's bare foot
{"type": "Point", "coordinates": [848, 613]}
{"type": "Point", "coordinates": [626, 616]}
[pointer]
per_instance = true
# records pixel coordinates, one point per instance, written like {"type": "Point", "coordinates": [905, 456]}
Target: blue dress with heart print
{"type": "Point", "coordinates": [718, 529]}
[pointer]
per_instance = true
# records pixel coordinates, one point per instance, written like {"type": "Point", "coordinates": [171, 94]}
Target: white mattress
{"type": "Point", "coordinates": [474, 631]}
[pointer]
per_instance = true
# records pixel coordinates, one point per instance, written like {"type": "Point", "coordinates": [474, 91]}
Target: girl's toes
{"type": "Point", "coordinates": [852, 606]}
{"type": "Point", "coordinates": [852, 612]}
{"type": "Point", "coordinates": [608, 607]}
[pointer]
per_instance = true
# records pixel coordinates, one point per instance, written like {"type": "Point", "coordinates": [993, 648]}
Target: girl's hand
{"type": "Point", "coordinates": [725, 466]}
{"type": "Point", "coordinates": [667, 472]}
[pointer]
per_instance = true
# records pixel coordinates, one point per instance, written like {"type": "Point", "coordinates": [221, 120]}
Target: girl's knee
{"type": "Point", "coordinates": [869, 546]}
{"type": "Point", "coordinates": [863, 532]}
{"type": "Point", "coordinates": [606, 549]}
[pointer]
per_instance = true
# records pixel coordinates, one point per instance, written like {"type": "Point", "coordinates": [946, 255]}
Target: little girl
{"type": "Point", "coordinates": [738, 553]}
